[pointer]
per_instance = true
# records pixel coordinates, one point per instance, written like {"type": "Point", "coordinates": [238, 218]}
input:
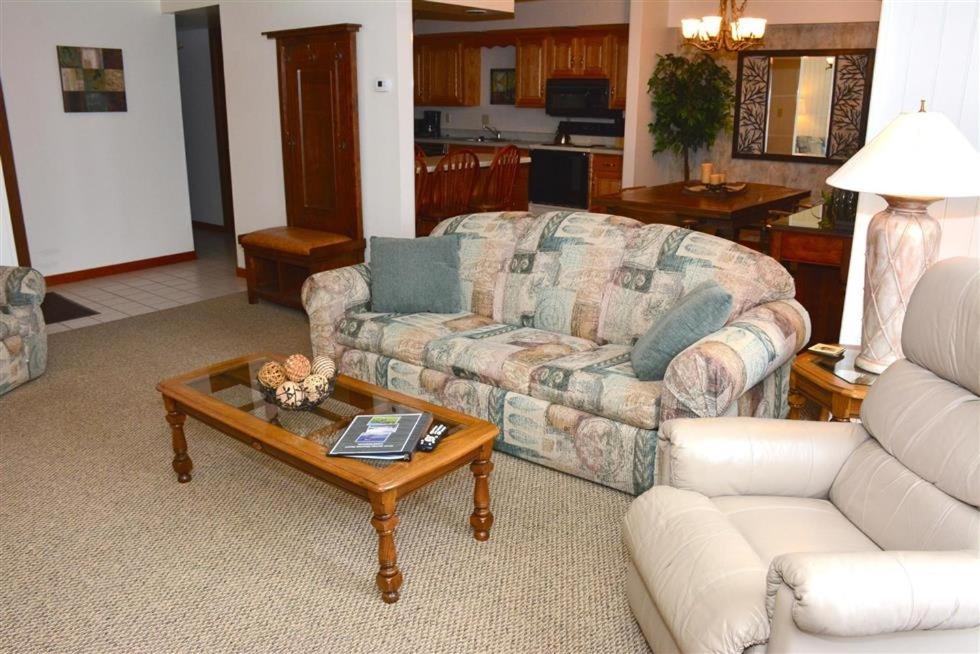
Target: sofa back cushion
{"type": "Point", "coordinates": [559, 271]}
{"type": "Point", "coordinates": [486, 245]}
{"type": "Point", "coordinates": [662, 263]}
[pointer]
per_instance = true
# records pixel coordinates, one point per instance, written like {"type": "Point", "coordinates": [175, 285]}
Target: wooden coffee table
{"type": "Point", "coordinates": [227, 397]}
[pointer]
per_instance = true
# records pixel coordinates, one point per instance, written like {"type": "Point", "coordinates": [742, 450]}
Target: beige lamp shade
{"type": "Point", "coordinates": [918, 155]}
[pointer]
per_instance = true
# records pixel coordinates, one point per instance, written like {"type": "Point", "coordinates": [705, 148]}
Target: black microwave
{"type": "Point", "coordinates": [579, 98]}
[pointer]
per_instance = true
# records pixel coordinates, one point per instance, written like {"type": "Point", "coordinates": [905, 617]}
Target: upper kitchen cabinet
{"type": "Point", "coordinates": [618, 49]}
{"type": "Point", "coordinates": [447, 73]}
{"type": "Point", "coordinates": [531, 71]}
{"type": "Point", "coordinates": [577, 53]}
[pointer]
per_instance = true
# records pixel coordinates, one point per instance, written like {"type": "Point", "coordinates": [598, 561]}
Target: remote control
{"type": "Point", "coordinates": [430, 440]}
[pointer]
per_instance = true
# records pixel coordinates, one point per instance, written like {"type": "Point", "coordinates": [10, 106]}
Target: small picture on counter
{"type": "Point", "coordinates": [501, 86]}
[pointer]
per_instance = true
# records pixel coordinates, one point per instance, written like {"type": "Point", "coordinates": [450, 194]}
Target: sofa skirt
{"type": "Point", "coordinates": [582, 444]}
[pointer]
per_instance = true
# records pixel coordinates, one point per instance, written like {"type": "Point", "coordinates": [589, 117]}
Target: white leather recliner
{"type": "Point", "coordinates": [785, 536]}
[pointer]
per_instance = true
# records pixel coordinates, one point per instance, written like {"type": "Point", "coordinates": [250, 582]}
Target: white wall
{"type": "Point", "coordinates": [384, 49]}
{"type": "Point", "coordinates": [540, 13]}
{"type": "Point", "coordinates": [200, 133]}
{"type": "Point", "coordinates": [940, 64]}
{"type": "Point", "coordinates": [8, 253]}
{"type": "Point", "coordinates": [649, 36]}
{"type": "Point", "coordinates": [97, 188]}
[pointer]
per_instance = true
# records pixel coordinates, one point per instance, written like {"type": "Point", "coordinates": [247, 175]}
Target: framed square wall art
{"type": "Point", "coordinates": [502, 86]}
{"type": "Point", "coordinates": [92, 79]}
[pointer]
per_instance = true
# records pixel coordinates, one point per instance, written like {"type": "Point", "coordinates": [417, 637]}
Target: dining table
{"type": "Point", "coordinates": [726, 213]}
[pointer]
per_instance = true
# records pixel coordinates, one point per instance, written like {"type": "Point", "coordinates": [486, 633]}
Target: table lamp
{"type": "Point", "coordinates": [918, 159]}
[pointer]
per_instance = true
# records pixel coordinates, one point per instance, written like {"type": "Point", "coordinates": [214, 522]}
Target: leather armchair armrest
{"type": "Point", "coordinates": [707, 378]}
{"type": "Point", "coordinates": [21, 286]}
{"type": "Point", "coordinates": [329, 296]}
{"type": "Point", "coordinates": [869, 593]}
{"type": "Point", "coordinates": [755, 456]}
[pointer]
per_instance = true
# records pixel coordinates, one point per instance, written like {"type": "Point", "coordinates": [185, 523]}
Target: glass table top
{"type": "Point", "coordinates": [237, 386]}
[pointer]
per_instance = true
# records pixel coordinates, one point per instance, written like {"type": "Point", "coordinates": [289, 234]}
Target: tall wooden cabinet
{"type": "Point", "coordinates": [321, 165]}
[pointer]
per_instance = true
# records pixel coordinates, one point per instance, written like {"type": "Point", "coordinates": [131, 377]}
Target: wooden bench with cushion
{"type": "Point", "coordinates": [279, 259]}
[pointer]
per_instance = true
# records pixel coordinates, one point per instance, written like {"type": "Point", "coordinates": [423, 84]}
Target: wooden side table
{"type": "Point", "coordinates": [812, 379]}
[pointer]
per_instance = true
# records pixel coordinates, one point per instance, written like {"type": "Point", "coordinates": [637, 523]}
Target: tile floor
{"type": "Point", "coordinates": [130, 294]}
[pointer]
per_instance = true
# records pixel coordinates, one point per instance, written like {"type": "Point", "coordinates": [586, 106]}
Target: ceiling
{"type": "Point", "coordinates": [463, 10]}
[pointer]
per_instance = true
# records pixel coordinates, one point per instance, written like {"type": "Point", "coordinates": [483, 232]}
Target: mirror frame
{"type": "Point", "coordinates": [848, 115]}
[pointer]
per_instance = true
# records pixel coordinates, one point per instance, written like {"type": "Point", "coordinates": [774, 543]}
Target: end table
{"type": "Point", "coordinates": [813, 378]}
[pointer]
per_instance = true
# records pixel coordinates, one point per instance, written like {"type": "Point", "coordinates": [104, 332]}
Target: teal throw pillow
{"type": "Point", "coordinates": [701, 312]}
{"type": "Point", "coordinates": [415, 275]}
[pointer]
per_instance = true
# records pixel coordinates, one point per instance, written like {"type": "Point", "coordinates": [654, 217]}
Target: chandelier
{"type": "Point", "coordinates": [729, 30]}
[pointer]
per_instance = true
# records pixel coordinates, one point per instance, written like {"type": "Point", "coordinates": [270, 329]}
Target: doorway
{"type": "Point", "coordinates": [202, 99]}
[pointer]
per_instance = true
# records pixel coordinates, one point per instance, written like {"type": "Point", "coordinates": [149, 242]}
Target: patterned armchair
{"type": "Point", "coordinates": [552, 306]}
{"type": "Point", "coordinates": [23, 337]}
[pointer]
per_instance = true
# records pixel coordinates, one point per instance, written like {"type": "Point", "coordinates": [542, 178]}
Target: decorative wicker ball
{"type": "Point", "coordinates": [271, 375]}
{"type": "Point", "coordinates": [323, 366]}
{"type": "Point", "coordinates": [315, 387]}
{"type": "Point", "coordinates": [289, 393]}
{"type": "Point", "coordinates": [297, 367]}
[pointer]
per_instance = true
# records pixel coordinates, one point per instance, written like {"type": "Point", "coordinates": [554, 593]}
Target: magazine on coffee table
{"type": "Point", "coordinates": [389, 437]}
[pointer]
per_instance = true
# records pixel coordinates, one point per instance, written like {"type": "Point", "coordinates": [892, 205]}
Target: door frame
{"type": "Point", "coordinates": [220, 116]}
{"type": "Point", "coordinates": [13, 190]}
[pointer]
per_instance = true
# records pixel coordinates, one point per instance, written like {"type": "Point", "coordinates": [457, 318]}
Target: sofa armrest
{"type": "Point", "coordinates": [869, 593]}
{"type": "Point", "coordinates": [707, 378]}
{"type": "Point", "coordinates": [21, 286]}
{"type": "Point", "coordinates": [755, 456]}
{"type": "Point", "coordinates": [329, 296]}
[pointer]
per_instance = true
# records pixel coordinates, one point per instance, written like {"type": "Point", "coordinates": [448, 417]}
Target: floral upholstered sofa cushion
{"type": "Point", "coordinates": [23, 337]}
{"type": "Point", "coordinates": [551, 307]}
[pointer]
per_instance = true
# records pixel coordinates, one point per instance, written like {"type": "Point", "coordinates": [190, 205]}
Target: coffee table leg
{"type": "Point", "coordinates": [389, 577]}
{"type": "Point", "coordinates": [182, 463]}
{"type": "Point", "coordinates": [481, 519]}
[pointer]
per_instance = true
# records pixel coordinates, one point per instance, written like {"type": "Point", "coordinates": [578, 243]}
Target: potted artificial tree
{"type": "Point", "coordinates": [692, 103]}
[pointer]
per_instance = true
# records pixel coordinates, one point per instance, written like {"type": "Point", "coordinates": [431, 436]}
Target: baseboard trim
{"type": "Point", "coordinates": [209, 226]}
{"type": "Point", "coordinates": [240, 272]}
{"type": "Point", "coordinates": [116, 268]}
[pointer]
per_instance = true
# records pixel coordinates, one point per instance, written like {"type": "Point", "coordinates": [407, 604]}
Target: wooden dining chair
{"type": "Point", "coordinates": [419, 152]}
{"type": "Point", "coordinates": [421, 184]}
{"type": "Point", "coordinates": [449, 189]}
{"type": "Point", "coordinates": [498, 191]}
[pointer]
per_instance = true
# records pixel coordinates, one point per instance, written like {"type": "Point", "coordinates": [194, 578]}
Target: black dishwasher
{"type": "Point", "coordinates": [559, 177]}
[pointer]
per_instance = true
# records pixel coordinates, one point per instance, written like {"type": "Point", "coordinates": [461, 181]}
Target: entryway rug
{"type": "Point", "coordinates": [58, 308]}
{"type": "Point", "coordinates": [103, 551]}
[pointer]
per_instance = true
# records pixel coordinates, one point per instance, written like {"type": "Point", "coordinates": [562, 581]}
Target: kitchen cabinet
{"type": "Point", "coordinates": [447, 74]}
{"type": "Point", "coordinates": [618, 50]}
{"type": "Point", "coordinates": [531, 72]}
{"type": "Point", "coordinates": [577, 54]}
{"type": "Point", "coordinates": [606, 176]}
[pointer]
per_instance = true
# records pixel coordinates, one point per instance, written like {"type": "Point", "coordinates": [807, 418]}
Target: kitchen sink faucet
{"type": "Point", "coordinates": [493, 130]}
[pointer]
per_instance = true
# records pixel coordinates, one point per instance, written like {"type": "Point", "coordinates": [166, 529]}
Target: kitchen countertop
{"type": "Point", "coordinates": [485, 160]}
{"type": "Point", "coordinates": [530, 145]}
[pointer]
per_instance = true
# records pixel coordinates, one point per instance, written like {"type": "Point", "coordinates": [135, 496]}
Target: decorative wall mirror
{"type": "Point", "coordinates": [801, 105]}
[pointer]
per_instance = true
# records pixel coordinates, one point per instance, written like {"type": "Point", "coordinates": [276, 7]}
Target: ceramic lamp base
{"type": "Point", "coordinates": [903, 241]}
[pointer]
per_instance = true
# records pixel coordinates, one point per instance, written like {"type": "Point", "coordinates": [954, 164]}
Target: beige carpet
{"type": "Point", "coordinates": [102, 551]}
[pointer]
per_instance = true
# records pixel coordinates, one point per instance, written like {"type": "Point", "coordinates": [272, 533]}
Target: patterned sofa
{"type": "Point", "coordinates": [23, 337]}
{"type": "Point", "coordinates": [552, 305]}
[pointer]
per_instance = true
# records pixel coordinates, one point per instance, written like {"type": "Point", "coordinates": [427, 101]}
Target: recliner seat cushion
{"type": "Point", "coordinates": [780, 525]}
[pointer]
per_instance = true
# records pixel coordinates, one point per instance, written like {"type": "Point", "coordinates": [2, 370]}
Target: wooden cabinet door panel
{"type": "Point", "coordinates": [561, 56]}
{"type": "Point", "coordinates": [618, 57]}
{"type": "Point", "coordinates": [319, 112]}
{"type": "Point", "coordinates": [418, 70]}
{"type": "Point", "coordinates": [443, 68]}
{"type": "Point", "coordinates": [530, 74]}
{"type": "Point", "coordinates": [590, 54]}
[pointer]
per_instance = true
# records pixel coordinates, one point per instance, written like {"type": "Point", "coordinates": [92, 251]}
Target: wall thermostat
{"type": "Point", "coordinates": [382, 85]}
